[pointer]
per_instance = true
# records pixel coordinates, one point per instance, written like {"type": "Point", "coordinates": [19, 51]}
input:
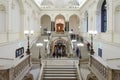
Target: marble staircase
{"type": "Point", "coordinates": [59, 73]}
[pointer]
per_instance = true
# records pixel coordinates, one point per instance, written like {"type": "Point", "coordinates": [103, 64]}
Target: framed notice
{"type": "Point", "coordinates": [19, 52]}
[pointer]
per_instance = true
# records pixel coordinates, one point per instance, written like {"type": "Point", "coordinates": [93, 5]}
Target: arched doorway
{"type": "Point", "coordinates": [59, 48]}
{"type": "Point", "coordinates": [59, 23]}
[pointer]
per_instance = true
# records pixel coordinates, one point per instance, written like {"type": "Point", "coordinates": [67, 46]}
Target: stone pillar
{"type": "Point", "coordinates": [67, 26]}
{"type": "Point", "coordinates": [52, 26]}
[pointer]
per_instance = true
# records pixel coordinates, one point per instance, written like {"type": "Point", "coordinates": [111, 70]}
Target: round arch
{"type": "Point", "coordinates": [91, 76]}
{"type": "Point", "coordinates": [74, 14]}
{"type": "Point", "coordinates": [57, 44]}
{"type": "Point", "coordinates": [74, 23]}
{"type": "Point", "coordinates": [45, 23]}
{"type": "Point", "coordinates": [45, 14]}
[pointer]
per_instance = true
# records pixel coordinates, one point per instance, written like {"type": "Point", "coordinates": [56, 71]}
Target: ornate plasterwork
{"type": "Point", "coordinates": [2, 7]}
{"type": "Point", "coordinates": [46, 2]}
{"type": "Point", "coordinates": [56, 4]}
{"type": "Point", "coordinates": [73, 2]}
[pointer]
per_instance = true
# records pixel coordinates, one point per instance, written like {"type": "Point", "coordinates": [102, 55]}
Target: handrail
{"type": "Point", "coordinates": [79, 75]}
{"type": "Point", "coordinates": [41, 73]}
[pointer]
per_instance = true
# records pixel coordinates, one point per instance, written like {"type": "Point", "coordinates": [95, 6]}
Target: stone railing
{"type": "Point", "coordinates": [55, 34]}
{"type": "Point", "coordinates": [116, 75]}
{"type": "Point", "coordinates": [16, 72]}
{"type": "Point", "coordinates": [102, 70]}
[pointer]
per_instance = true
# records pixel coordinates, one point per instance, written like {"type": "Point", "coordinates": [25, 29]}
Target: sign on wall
{"type": "Point", "coordinates": [100, 52]}
{"type": "Point", "coordinates": [100, 49]}
{"type": "Point", "coordinates": [19, 52]}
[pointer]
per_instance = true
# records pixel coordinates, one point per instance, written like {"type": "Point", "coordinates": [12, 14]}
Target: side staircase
{"type": "Point", "coordinates": [59, 72]}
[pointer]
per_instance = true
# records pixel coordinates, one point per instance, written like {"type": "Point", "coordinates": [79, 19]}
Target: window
{"type": "Point", "coordinates": [103, 17]}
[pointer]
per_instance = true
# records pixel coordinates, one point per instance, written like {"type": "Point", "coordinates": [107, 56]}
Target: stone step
{"type": "Point", "coordinates": [60, 75]}
{"type": "Point", "coordinates": [61, 67]}
{"type": "Point", "coordinates": [60, 78]}
{"type": "Point", "coordinates": [54, 69]}
{"type": "Point", "coordinates": [59, 72]}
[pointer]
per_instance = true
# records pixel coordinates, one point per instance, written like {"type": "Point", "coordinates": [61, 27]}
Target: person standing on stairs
{"type": "Point", "coordinates": [78, 54]}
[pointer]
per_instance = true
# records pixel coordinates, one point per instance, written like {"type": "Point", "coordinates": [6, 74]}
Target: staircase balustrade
{"type": "Point", "coordinates": [16, 72]}
{"type": "Point", "coordinates": [41, 72]}
{"type": "Point", "coordinates": [79, 76]}
{"type": "Point", "coordinates": [102, 70]}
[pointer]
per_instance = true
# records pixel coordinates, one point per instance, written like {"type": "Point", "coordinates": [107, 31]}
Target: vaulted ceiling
{"type": "Point", "coordinates": [59, 3]}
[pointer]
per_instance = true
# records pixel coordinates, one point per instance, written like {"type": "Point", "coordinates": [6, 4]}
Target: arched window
{"type": "Point", "coordinates": [86, 22]}
{"type": "Point", "coordinates": [103, 17]}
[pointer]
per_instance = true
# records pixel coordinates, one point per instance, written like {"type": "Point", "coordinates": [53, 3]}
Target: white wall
{"type": "Point", "coordinates": [16, 17]}
{"type": "Point", "coordinates": [110, 40]}
{"type": "Point", "coordinates": [109, 50]}
{"type": "Point", "coordinates": [20, 15]}
{"type": "Point", "coordinates": [117, 19]}
{"type": "Point", "coordinates": [45, 23]}
{"type": "Point", "coordinates": [74, 24]}
{"type": "Point", "coordinates": [8, 50]}
{"type": "Point", "coordinates": [2, 21]}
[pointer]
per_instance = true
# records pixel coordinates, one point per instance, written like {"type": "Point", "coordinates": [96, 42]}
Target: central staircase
{"type": "Point", "coordinates": [59, 72]}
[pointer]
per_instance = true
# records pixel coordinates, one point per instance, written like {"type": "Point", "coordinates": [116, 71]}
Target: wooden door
{"type": "Point", "coordinates": [59, 28]}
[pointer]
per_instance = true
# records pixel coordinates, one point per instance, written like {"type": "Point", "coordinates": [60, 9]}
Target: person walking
{"type": "Point", "coordinates": [78, 52]}
{"type": "Point", "coordinates": [88, 46]}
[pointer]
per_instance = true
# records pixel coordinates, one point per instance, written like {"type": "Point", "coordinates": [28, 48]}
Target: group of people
{"type": "Point", "coordinates": [59, 52]}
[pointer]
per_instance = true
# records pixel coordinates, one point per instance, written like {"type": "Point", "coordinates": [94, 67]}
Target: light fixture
{"type": "Point", "coordinates": [80, 44]}
{"type": "Point", "coordinates": [46, 40]}
{"type": "Point", "coordinates": [74, 40]}
{"type": "Point", "coordinates": [39, 45]}
{"type": "Point", "coordinates": [92, 33]}
{"type": "Point", "coordinates": [28, 34]}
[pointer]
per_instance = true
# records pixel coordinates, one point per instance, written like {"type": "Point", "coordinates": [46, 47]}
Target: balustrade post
{"type": "Point", "coordinates": [110, 74]}
{"type": "Point", "coordinates": [90, 60]}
